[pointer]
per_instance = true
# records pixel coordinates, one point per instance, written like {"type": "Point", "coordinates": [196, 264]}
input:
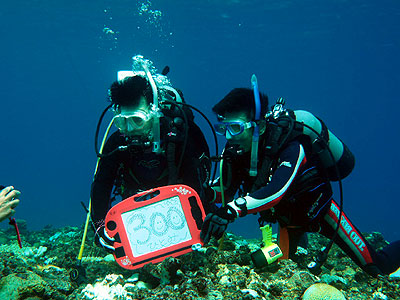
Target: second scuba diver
{"type": "Point", "coordinates": [282, 168]}
{"type": "Point", "coordinates": [155, 145]}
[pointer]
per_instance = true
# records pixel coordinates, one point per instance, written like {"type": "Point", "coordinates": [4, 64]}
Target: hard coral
{"type": "Point", "coordinates": [322, 291]}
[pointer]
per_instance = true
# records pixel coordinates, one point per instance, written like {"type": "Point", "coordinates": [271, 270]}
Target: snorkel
{"type": "Point", "coordinates": [256, 132]}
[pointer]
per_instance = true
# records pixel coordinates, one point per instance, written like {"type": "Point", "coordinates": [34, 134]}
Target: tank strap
{"type": "Point", "coordinates": [318, 145]}
{"type": "Point", "coordinates": [263, 175]}
{"type": "Point", "coordinates": [119, 183]}
{"type": "Point", "coordinates": [172, 168]}
{"type": "Point", "coordinates": [279, 132]}
{"type": "Point", "coordinates": [286, 122]}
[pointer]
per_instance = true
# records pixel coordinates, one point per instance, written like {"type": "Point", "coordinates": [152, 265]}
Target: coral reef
{"type": "Point", "coordinates": [323, 291]}
{"type": "Point", "coordinates": [46, 268]}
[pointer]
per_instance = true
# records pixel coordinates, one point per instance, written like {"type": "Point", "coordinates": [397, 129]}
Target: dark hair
{"type": "Point", "coordinates": [241, 100]}
{"type": "Point", "coordinates": [128, 91]}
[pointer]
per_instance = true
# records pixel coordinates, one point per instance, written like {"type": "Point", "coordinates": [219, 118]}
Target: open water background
{"type": "Point", "coordinates": [338, 59]}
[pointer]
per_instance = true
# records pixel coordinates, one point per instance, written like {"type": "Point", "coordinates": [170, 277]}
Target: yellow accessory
{"type": "Point", "coordinates": [269, 253]}
{"type": "Point", "coordinates": [90, 201]}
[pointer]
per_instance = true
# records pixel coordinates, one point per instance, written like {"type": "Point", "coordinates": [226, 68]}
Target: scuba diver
{"type": "Point", "coordinates": [280, 163]}
{"type": "Point", "coordinates": [157, 143]}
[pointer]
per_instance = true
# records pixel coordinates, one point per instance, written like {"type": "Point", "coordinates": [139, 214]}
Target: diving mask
{"type": "Point", "coordinates": [132, 121]}
{"type": "Point", "coordinates": [234, 128]}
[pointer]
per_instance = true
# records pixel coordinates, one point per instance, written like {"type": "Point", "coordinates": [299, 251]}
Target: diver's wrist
{"type": "Point", "coordinates": [240, 206]}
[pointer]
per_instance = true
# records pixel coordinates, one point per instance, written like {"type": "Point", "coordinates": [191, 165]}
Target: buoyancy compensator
{"type": "Point", "coordinates": [342, 156]}
{"type": "Point", "coordinates": [334, 156]}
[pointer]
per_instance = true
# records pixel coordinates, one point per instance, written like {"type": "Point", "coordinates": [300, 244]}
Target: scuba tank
{"type": "Point", "coordinates": [342, 156]}
{"type": "Point", "coordinates": [334, 156]}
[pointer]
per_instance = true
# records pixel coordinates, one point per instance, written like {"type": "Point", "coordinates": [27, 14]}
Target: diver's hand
{"type": "Point", "coordinates": [216, 223]}
{"type": "Point", "coordinates": [102, 239]}
{"type": "Point", "coordinates": [8, 201]}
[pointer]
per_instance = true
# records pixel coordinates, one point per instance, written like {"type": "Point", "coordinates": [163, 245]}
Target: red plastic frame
{"type": "Point", "coordinates": [115, 227]}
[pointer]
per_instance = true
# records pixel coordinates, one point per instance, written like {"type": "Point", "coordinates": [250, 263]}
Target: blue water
{"type": "Point", "coordinates": [339, 59]}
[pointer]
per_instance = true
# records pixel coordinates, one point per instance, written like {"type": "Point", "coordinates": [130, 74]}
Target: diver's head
{"type": "Point", "coordinates": [236, 117]}
{"type": "Point", "coordinates": [128, 91]}
{"type": "Point", "coordinates": [132, 102]}
{"type": "Point", "coordinates": [241, 100]}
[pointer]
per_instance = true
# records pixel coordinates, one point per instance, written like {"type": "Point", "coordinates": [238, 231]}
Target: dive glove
{"type": "Point", "coordinates": [102, 239]}
{"type": "Point", "coordinates": [216, 223]}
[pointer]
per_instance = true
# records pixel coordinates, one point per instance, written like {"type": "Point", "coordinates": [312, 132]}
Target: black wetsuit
{"type": "Point", "coordinates": [138, 169]}
{"type": "Point", "coordinates": [298, 195]}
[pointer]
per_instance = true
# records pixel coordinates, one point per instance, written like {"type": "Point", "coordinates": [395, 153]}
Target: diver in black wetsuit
{"type": "Point", "coordinates": [287, 179]}
{"type": "Point", "coordinates": [135, 167]}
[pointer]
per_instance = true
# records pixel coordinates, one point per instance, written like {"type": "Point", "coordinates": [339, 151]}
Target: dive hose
{"type": "Point", "coordinates": [156, 121]}
{"type": "Point", "coordinates": [212, 130]}
{"type": "Point", "coordinates": [90, 200]}
{"type": "Point", "coordinates": [319, 260]}
{"type": "Point", "coordinates": [221, 185]}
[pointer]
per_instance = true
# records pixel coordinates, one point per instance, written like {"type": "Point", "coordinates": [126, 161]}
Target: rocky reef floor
{"type": "Point", "coordinates": [46, 268]}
